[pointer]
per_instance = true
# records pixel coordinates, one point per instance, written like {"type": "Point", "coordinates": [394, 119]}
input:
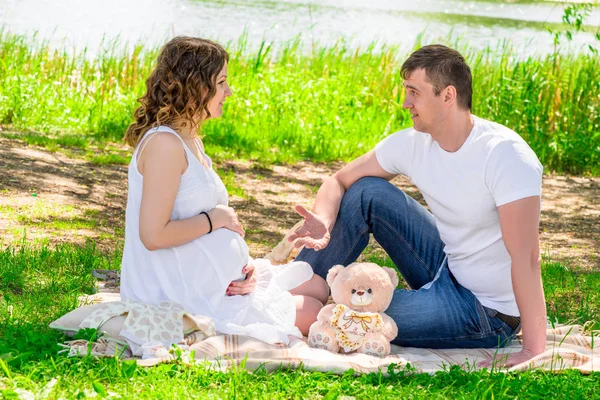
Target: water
{"type": "Point", "coordinates": [75, 24]}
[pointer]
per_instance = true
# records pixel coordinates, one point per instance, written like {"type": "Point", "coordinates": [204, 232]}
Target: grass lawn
{"type": "Point", "coordinates": [39, 283]}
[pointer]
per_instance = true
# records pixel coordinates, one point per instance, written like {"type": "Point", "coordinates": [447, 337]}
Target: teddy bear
{"type": "Point", "coordinates": [357, 322]}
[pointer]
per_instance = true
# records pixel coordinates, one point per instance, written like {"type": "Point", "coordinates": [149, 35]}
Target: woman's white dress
{"type": "Point", "coordinates": [197, 274]}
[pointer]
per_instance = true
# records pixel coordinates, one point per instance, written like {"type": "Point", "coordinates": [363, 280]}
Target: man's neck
{"type": "Point", "coordinates": [453, 132]}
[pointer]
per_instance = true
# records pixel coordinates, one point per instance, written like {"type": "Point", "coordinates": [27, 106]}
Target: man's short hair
{"type": "Point", "coordinates": [443, 67]}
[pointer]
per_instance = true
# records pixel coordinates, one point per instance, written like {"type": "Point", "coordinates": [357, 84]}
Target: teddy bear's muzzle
{"type": "Point", "coordinates": [361, 298]}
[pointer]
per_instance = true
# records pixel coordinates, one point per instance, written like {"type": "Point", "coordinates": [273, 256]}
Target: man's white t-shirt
{"type": "Point", "coordinates": [463, 190]}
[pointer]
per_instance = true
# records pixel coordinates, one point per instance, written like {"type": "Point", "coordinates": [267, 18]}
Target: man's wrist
{"type": "Point", "coordinates": [533, 352]}
{"type": "Point", "coordinates": [535, 346]}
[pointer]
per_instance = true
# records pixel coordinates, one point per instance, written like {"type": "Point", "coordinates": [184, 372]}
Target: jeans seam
{"type": "Point", "coordinates": [354, 244]}
{"type": "Point", "coordinates": [483, 321]}
{"type": "Point", "coordinates": [455, 338]}
{"type": "Point", "coordinates": [476, 336]}
{"type": "Point", "coordinates": [407, 244]}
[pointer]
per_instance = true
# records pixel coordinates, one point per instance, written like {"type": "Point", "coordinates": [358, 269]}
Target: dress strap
{"type": "Point", "coordinates": [204, 159]}
{"type": "Point", "coordinates": [150, 134]}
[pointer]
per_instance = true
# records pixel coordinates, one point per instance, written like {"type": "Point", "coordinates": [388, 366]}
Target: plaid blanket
{"type": "Point", "coordinates": [566, 347]}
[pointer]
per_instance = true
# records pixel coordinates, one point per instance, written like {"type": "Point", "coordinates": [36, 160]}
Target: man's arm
{"type": "Point", "coordinates": [519, 221]}
{"type": "Point", "coordinates": [329, 196]}
{"type": "Point", "coordinates": [318, 223]}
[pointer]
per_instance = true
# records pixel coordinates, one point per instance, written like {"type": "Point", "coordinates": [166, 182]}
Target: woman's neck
{"type": "Point", "coordinates": [185, 129]}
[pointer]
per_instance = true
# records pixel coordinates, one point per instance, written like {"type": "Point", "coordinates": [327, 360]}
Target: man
{"type": "Point", "coordinates": [473, 263]}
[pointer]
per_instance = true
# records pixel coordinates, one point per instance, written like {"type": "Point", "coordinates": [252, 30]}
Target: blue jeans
{"type": "Point", "coordinates": [438, 312]}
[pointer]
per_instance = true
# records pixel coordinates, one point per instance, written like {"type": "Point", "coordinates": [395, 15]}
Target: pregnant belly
{"type": "Point", "coordinates": [228, 252]}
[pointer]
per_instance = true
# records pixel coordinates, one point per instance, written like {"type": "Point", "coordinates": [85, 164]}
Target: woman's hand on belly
{"type": "Point", "coordinates": [246, 286]}
{"type": "Point", "coordinates": [226, 217]}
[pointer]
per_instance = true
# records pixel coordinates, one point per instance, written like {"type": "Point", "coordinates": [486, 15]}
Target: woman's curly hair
{"type": "Point", "coordinates": [180, 87]}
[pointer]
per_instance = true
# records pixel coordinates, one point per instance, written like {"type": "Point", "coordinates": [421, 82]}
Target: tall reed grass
{"type": "Point", "coordinates": [290, 103]}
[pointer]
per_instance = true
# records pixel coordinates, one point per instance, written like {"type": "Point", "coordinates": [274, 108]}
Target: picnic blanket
{"type": "Point", "coordinates": [566, 347]}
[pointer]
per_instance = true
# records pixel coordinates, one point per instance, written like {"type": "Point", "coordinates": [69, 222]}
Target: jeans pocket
{"type": "Point", "coordinates": [499, 326]}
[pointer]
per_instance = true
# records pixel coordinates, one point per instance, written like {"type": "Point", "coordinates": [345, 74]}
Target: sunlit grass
{"type": "Point", "coordinates": [327, 103]}
{"type": "Point", "coordinates": [40, 283]}
{"type": "Point", "coordinates": [229, 180]}
{"type": "Point", "coordinates": [45, 220]}
{"type": "Point", "coordinates": [37, 210]}
{"type": "Point", "coordinates": [105, 159]}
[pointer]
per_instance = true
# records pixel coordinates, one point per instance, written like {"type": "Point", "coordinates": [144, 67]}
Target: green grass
{"type": "Point", "coordinates": [82, 378]}
{"type": "Point", "coordinates": [39, 283]}
{"type": "Point", "coordinates": [48, 219]}
{"type": "Point", "coordinates": [228, 178]}
{"type": "Point", "coordinates": [292, 103]}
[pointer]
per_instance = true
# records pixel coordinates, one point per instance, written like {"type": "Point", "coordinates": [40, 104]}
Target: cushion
{"type": "Point", "coordinates": [69, 323]}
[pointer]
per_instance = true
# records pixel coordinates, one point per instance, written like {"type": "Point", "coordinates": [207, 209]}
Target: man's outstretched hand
{"type": "Point", "coordinates": [313, 234]}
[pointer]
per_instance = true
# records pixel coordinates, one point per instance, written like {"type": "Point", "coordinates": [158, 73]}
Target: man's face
{"type": "Point", "coordinates": [427, 110]}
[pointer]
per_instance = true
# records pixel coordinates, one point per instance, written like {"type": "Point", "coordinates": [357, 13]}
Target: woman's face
{"type": "Point", "coordinates": [223, 91]}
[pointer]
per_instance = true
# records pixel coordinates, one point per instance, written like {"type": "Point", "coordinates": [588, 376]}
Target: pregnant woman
{"type": "Point", "coordinates": [182, 241]}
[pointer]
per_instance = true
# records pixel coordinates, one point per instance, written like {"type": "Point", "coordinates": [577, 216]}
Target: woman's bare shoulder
{"type": "Point", "coordinates": [163, 148]}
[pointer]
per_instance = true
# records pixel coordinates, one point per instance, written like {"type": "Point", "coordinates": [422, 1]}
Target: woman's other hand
{"type": "Point", "coordinates": [226, 217]}
{"type": "Point", "coordinates": [246, 286]}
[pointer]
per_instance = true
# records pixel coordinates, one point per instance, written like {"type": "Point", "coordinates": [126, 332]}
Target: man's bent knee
{"type": "Point", "coordinates": [368, 190]}
{"type": "Point", "coordinates": [367, 183]}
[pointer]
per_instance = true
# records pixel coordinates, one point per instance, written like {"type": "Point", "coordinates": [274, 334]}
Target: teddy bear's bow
{"type": "Point", "coordinates": [354, 318]}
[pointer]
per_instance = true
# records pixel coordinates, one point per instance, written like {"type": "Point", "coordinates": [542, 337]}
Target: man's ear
{"type": "Point", "coordinates": [333, 272]}
{"type": "Point", "coordinates": [450, 95]}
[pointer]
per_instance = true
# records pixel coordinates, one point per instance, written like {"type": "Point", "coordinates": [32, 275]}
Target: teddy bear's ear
{"type": "Point", "coordinates": [333, 272]}
{"type": "Point", "coordinates": [393, 275]}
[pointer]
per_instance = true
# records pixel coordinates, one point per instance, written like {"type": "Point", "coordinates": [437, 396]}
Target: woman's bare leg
{"type": "Point", "coordinates": [315, 287]}
{"type": "Point", "coordinates": [307, 309]}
